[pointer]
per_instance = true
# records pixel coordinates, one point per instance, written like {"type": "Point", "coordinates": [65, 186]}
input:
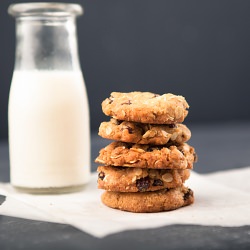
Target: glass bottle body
{"type": "Point", "coordinates": [49, 134]}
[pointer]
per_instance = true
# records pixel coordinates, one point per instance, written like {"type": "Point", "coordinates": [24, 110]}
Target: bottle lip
{"type": "Point", "coordinates": [45, 9]}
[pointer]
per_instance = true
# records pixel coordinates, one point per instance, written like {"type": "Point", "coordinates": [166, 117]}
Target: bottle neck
{"type": "Point", "coordinates": [46, 43]}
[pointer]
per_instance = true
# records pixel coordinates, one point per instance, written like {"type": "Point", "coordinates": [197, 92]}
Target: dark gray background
{"type": "Point", "coordinates": [199, 49]}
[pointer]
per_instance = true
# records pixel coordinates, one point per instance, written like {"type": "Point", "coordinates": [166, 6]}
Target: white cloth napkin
{"type": "Point", "coordinates": [221, 199]}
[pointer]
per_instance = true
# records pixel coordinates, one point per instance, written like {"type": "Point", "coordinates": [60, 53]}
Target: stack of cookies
{"type": "Point", "coordinates": [146, 164]}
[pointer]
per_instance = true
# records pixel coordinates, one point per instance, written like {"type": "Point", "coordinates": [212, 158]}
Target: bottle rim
{"type": "Point", "coordinates": [45, 9]}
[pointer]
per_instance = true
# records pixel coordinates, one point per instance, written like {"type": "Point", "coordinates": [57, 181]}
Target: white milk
{"type": "Point", "coordinates": [49, 132]}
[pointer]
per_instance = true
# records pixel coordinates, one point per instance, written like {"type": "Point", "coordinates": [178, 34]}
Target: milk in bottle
{"type": "Point", "coordinates": [49, 134]}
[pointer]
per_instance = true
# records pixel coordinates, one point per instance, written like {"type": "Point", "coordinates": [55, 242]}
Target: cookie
{"type": "Point", "coordinates": [125, 179]}
{"type": "Point", "coordinates": [148, 202]}
{"type": "Point", "coordinates": [146, 107]}
{"type": "Point", "coordinates": [147, 156]}
{"type": "Point", "coordinates": [142, 133]}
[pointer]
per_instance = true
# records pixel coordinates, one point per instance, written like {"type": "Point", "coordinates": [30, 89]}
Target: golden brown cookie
{"type": "Point", "coordinates": [125, 179]}
{"type": "Point", "coordinates": [147, 156]}
{"type": "Point", "coordinates": [146, 107]}
{"type": "Point", "coordinates": [143, 133]}
{"type": "Point", "coordinates": [148, 202]}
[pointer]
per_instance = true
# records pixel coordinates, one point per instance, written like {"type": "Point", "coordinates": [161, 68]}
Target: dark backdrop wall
{"type": "Point", "coordinates": [199, 49]}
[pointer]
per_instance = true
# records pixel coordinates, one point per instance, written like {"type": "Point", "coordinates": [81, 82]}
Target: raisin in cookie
{"type": "Point", "coordinates": [147, 156]}
{"type": "Point", "coordinates": [124, 179]}
{"type": "Point", "coordinates": [146, 107]}
{"type": "Point", "coordinates": [143, 133]}
{"type": "Point", "coordinates": [148, 202]}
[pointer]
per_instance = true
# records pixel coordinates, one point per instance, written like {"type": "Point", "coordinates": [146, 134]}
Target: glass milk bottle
{"type": "Point", "coordinates": [49, 134]}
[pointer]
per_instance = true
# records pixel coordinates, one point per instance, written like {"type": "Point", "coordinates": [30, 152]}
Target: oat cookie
{"type": "Point", "coordinates": [147, 156]}
{"type": "Point", "coordinates": [146, 107]}
{"type": "Point", "coordinates": [147, 202]}
{"type": "Point", "coordinates": [143, 133]}
{"type": "Point", "coordinates": [125, 179]}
